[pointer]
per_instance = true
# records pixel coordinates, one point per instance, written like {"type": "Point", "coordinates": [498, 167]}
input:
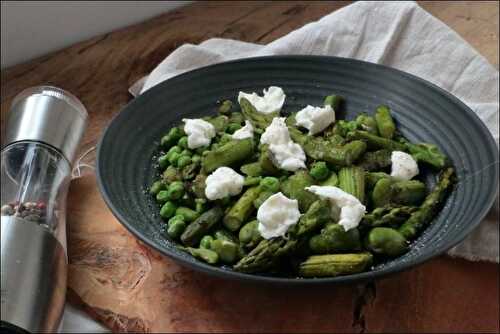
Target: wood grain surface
{"type": "Point", "coordinates": [131, 288]}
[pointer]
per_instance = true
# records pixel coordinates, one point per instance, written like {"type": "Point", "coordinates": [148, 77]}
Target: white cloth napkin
{"type": "Point", "coordinates": [397, 34]}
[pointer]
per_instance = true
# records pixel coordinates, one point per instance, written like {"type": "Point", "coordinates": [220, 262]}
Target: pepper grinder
{"type": "Point", "coordinates": [44, 128]}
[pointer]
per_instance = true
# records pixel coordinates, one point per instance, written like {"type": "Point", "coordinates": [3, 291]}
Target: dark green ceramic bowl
{"type": "Point", "coordinates": [129, 146]}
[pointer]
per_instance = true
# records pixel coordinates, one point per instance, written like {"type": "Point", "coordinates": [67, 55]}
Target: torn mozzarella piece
{"type": "Point", "coordinates": [223, 182]}
{"type": "Point", "coordinates": [351, 209]}
{"type": "Point", "coordinates": [403, 167]}
{"type": "Point", "coordinates": [244, 132]}
{"type": "Point", "coordinates": [286, 154]}
{"type": "Point", "coordinates": [272, 100]}
{"type": "Point", "coordinates": [315, 119]}
{"type": "Point", "coordinates": [276, 215]}
{"type": "Point", "coordinates": [200, 132]}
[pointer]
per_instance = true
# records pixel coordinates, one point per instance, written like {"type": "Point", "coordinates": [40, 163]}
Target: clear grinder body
{"type": "Point", "coordinates": [43, 131]}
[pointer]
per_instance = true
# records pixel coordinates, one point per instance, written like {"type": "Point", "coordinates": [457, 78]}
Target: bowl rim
{"type": "Point", "coordinates": [256, 278]}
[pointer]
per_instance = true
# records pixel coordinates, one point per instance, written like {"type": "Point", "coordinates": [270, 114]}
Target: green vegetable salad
{"type": "Point", "coordinates": [299, 194]}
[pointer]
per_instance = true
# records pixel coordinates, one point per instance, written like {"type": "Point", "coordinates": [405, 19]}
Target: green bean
{"type": "Point", "coordinates": [385, 123]}
{"type": "Point", "coordinates": [168, 210]}
{"type": "Point", "coordinates": [156, 187]}
{"type": "Point", "coordinates": [319, 171]}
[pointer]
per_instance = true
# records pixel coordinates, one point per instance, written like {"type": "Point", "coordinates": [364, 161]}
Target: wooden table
{"type": "Point", "coordinates": [443, 295]}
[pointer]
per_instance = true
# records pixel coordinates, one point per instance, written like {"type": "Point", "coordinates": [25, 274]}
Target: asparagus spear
{"type": "Point", "coordinates": [427, 153]}
{"type": "Point", "coordinates": [266, 163]}
{"type": "Point", "coordinates": [333, 101]}
{"type": "Point", "coordinates": [294, 187]}
{"type": "Point", "coordinates": [258, 120]}
{"type": "Point", "coordinates": [385, 123]}
{"type": "Point", "coordinates": [335, 264]}
{"type": "Point", "coordinates": [333, 180]}
{"type": "Point", "coordinates": [431, 205]}
{"type": "Point", "coordinates": [268, 252]}
{"type": "Point", "coordinates": [228, 154]}
{"type": "Point", "coordinates": [197, 229]}
{"type": "Point", "coordinates": [225, 107]}
{"type": "Point", "coordinates": [220, 122]}
{"type": "Point", "coordinates": [352, 180]}
{"type": "Point", "coordinates": [318, 148]}
{"type": "Point", "coordinates": [387, 216]}
{"type": "Point", "coordinates": [242, 209]}
{"type": "Point", "coordinates": [252, 169]}
{"type": "Point", "coordinates": [375, 142]}
{"type": "Point", "coordinates": [206, 255]}
{"type": "Point", "coordinates": [376, 160]}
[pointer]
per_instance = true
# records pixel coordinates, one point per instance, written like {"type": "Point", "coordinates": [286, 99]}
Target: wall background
{"type": "Point", "coordinates": [33, 28]}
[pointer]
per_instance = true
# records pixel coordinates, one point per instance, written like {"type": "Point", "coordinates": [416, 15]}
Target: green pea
{"type": "Point", "coordinates": [206, 242]}
{"type": "Point", "coordinates": [202, 149]}
{"type": "Point", "coordinates": [156, 187]}
{"type": "Point", "coordinates": [176, 132]}
{"type": "Point", "coordinates": [233, 127]}
{"type": "Point", "coordinates": [183, 161]}
{"type": "Point", "coordinates": [188, 214]}
{"type": "Point", "coordinates": [162, 196]}
{"type": "Point", "coordinates": [319, 171]}
{"type": "Point", "coordinates": [195, 158]}
{"type": "Point", "coordinates": [171, 174]}
{"type": "Point", "coordinates": [175, 149]}
{"type": "Point", "coordinates": [174, 157]}
{"type": "Point", "coordinates": [175, 190]}
{"type": "Point", "coordinates": [270, 184]}
{"type": "Point", "coordinates": [183, 142]}
{"type": "Point", "coordinates": [167, 141]}
{"type": "Point", "coordinates": [163, 161]}
{"type": "Point", "coordinates": [186, 152]}
{"type": "Point", "coordinates": [227, 250]}
{"type": "Point", "coordinates": [175, 228]}
{"type": "Point", "coordinates": [386, 241]}
{"type": "Point", "coordinates": [168, 210]}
